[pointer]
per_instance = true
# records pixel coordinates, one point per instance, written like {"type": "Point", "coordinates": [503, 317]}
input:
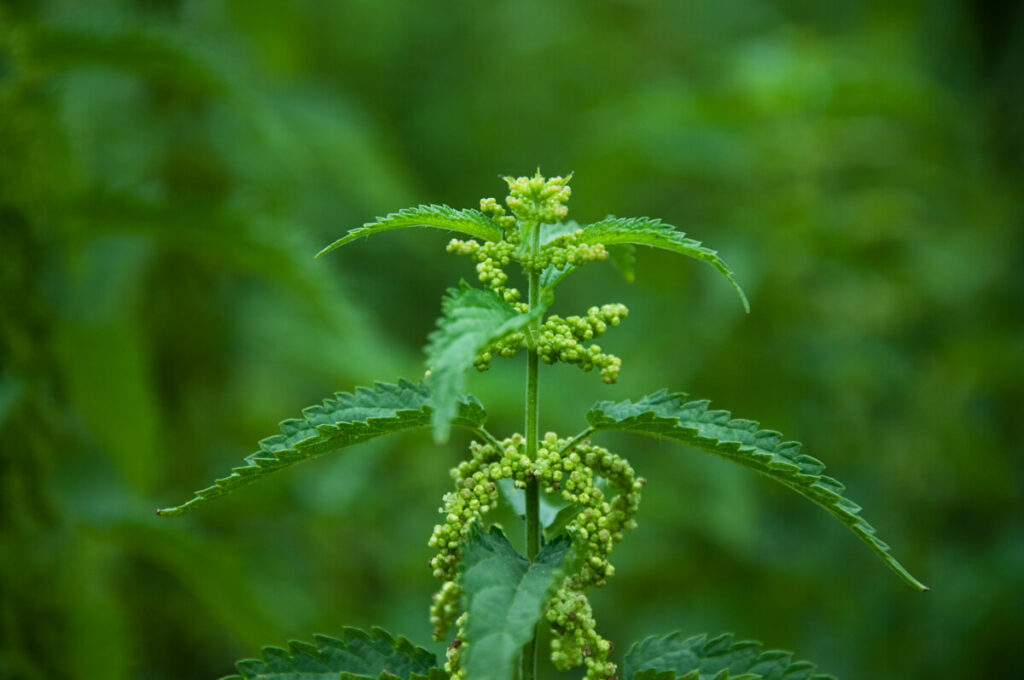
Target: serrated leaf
{"type": "Point", "coordinates": [646, 231]}
{"type": "Point", "coordinates": [671, 416]}
{"type": "Point", "coordinates": [552, 275]}
{"type": "Point", "coordinates": [340, 421]}
{"type": "Point", "coordinates": [505, 595]}
{"type": "Point", "coordinates": [357, 655]}
{"type": "Point", "coordinates": [718, 658]}
{"type": "Point", "coordinates": [472, 319]}
{"type": "Point", "coordinates": [470, 222]}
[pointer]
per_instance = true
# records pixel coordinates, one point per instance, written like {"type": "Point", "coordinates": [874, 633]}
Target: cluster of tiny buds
{"type": "Point", "coordinates": [577, 642]}
{"type": "Point", "coordinates": [453, 657]}
{"type": "Point", "coordinates": [564, 251]}
{"type": "Point", "coordinates": [507, 223]}
{"type": "Point", "coordinates": [476, 493]}
{"type": "Point", "coordinates": [535, 199]}
{"type": "Point", "coordinates": [561, 466]}
{"type": "Point", "coordinates": [491, 257]}
{"type": "Point", "coordinates": [562, 340]}
{"type": "Point", "coordinates": [600, 524]}
{"type": "Point", "coordinates": [505, 347]}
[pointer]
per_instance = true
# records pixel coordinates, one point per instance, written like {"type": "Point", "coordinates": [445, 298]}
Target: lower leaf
{"type": "Point", "coordinates": [357, 655]}
{"type": "Point", "coordinates": [505, 594]}
{"type": "Point", "coordinates": [718, 658]}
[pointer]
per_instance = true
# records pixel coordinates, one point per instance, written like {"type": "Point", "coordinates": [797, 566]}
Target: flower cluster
{"type": "Point", "coordinates": [574, 470]}
{"type": "Point", "coordinates": [564, 251]}
{"type": "Point", "coordinates": [491, 257]}
{"type": "Point", "coordinates": [562, 340]}
{"type": "Point", "coordinates": [538, 200]}
{"type": "Point", "coordinates": [507, 223]}
{"type": "Point", "coordinates": [453, 662]}
{"type": "Point", "coordinates": [577, 642]}
{"type": "Point", "coordinates": [598, 526]}
{"type": "Point", "coordinates": [476, 492]}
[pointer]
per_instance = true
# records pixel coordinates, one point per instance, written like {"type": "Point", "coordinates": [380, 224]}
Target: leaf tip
{"type": "Point", "coordinates": [325, 250]}
{"type": "Point", "coordinates": [441, 435]}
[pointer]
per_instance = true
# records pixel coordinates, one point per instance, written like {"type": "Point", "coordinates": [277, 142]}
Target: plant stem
{"type": "Point", "coordinates": [529, 665]}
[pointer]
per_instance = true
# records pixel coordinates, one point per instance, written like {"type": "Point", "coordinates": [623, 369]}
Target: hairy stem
{"type": "Point", "coordinates": [529, 665]}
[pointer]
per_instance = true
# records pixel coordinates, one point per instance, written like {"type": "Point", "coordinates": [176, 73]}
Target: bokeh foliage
{"type": "Point", "coordinates": [168, 168]}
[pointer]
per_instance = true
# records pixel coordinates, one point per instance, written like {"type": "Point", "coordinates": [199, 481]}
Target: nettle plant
{"type": "Point", "coordinates": [576, 498]}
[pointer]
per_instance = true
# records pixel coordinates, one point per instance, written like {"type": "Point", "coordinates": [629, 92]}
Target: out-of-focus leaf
{"type": "Point", "coordinates": [357, 655]}
{"type": "Point", "coordinates": [718, 658]}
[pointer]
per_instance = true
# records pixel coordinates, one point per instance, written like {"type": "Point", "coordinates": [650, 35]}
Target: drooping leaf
{"type": "Point", "coordinates": [342, 420]}
{"type": "Point", "coordinates": [505, 596]}
{"type": "Point", "coordinates": [718, 658]}
{"type": "Point", "coordinates": [646, 231]}
{"type": "Point", "coordinates": [623, 257]}
{"type": "Point", "coordinates": [671, 416]}
{"type": "Point", "coordinates": [472, 319]}
{"type": "Point", "coordinates": [470, 222]}
{"type": "Point", "coordinates": [357, 655]}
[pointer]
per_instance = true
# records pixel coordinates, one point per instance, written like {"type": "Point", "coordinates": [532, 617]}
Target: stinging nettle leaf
{"type": "Point", "coordinates": [472, 320]}
{"type": "Point", "coordinates": [470, 222]}
{"type": "Point", "coordinates": [340, 421]}
{"type": "Point", "coordinates": [671, 416]}
{"type": "Point", "coordinates": [357, 655]}
{"type": "Point", "coordinates": [646, 231]}
{"type": "Point", "coordinates": [718, 658]}
{"type": "Point", "coordinates": [505, 595]}
{"type": "Point", "coordinates": [623, 257]}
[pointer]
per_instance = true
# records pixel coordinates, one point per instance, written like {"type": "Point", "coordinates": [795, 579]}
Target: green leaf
{"type": "Point", "coordinates": [470, 222]}
{"type": "Point", "coordinates": [505, 595]}
{"type": "Point", "coordinates": [342, 420]}
{"type": "Point", "coordinates": [646, 231]}
{"type": "Point", "coordinates": [623, 257]}
{"type": "Point", "coordinates": [718, 658]}
{"type": "Point", "coordinates": [553, 275]}
{"type": "Point", "coordinates": [473, 319]}
{"type": "Point", "coordinates": [670, 416]}
{"type": "Point", "coordinates": [357, 655]}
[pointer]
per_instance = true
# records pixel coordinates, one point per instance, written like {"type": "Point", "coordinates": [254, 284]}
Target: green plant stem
{"type": "Point", "coordinates": [529, 661]}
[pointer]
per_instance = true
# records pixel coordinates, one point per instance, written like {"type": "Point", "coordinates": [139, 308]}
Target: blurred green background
{"type": "Point", "coordinates": [168, 168]}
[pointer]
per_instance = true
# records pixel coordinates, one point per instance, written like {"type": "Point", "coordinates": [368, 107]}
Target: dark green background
{"type": "Point", "coordinates": [167, 170]}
